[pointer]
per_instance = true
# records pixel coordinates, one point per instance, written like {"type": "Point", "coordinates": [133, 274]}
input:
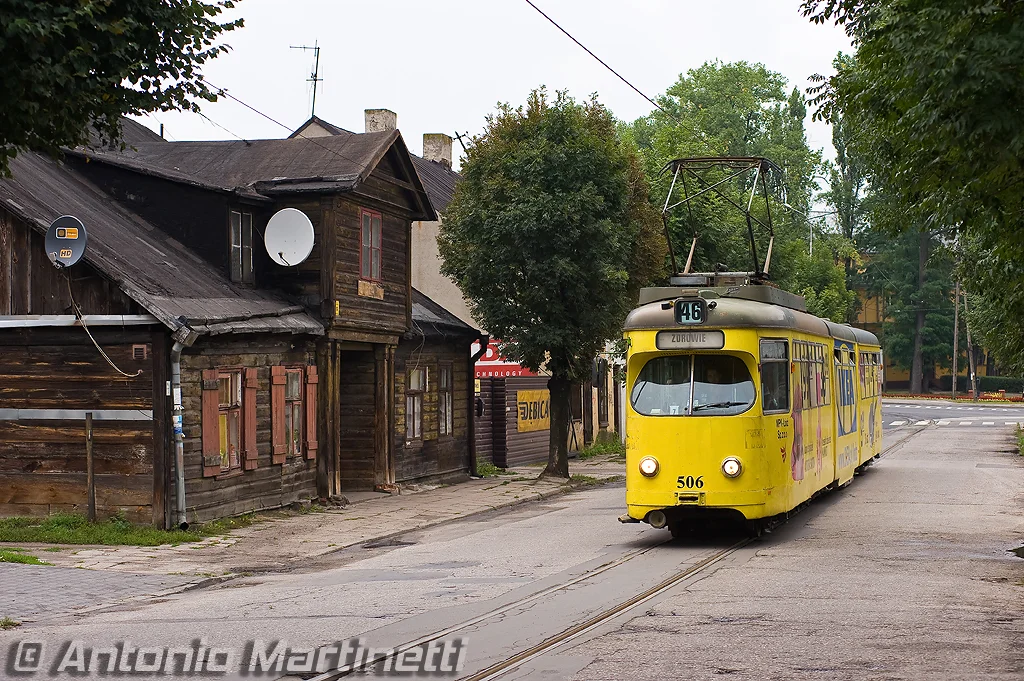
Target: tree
{"type": "Point", "coordinates": [742, 109]}
{"type": "Point", "coordinates": [72, 65]}
{"type": "Point", "coordinates": [549, 218]}
{"type": "Point", "coordinates": [934, 96]}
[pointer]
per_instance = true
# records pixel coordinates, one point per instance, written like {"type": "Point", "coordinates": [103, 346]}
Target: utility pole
{"type": "Point", "coordinates": [970, 354]}
{"type": "Point", "coordinates": [314, 78]}
{"type": "Point", "coordinates": [956, 333]}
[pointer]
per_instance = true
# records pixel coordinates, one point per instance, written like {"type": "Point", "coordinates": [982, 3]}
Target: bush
{"type": "Point", "coordinates": [985, 384]}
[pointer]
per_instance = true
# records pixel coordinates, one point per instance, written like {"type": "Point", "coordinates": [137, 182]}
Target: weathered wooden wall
{"type": "Point", "coordinates": [497, 436]}
{"type": "Point", "coordinates": [42, 460]}
{"type": "Point", "coordinates": [269, 485]}
{"type": "Point", "coordinates": [356, 428]}
{"type": "Point", "coordinates": [29, 284]}
{"type": "Point", "coordinates": [436, 456]}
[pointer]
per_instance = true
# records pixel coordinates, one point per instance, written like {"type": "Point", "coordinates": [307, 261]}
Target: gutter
{"type": "Point", "coordinates": [54, 320]}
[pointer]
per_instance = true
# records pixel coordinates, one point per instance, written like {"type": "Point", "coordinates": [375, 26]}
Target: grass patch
{"type": "Point", "coordinates": [73, 528]}
{"type": "Point", "coordinates": [11, 555]}
{"type": "Point", "coordinates": [610, 448]}
{"type": "Point", "coordinates": [487, 470]}
{"type": "Point", "coordinates": [7, 623]}
{"type": "Point", "coordinates": [583, 480]}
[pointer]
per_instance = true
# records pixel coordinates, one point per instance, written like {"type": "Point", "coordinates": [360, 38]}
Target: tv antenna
{"type": "Point", "coordinates": [314, 77]}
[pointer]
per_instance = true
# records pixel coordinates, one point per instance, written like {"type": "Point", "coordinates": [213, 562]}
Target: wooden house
{"type": "Point", "coordinates": [293, 379]}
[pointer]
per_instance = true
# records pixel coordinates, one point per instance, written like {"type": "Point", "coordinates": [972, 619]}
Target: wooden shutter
{"type": "Point", "coordinates": [279, 450]}
{"type": "Point", "coordinates": [310, 407]}
{"type": "Point", "coordinates": [211, 424]}
{"type": "Point", "coordinates": [249, 418]}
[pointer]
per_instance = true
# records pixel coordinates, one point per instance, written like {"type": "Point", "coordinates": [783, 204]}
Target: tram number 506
{"type": "Point", "coordinates": [691, 311]}
{"type": "Point", "coordinates": [690, 482]}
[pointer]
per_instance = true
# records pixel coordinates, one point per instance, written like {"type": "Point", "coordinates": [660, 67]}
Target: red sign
{"type": "Point", "coordinates": [493, 365]}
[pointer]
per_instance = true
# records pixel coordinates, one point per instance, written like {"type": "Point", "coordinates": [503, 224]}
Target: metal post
{"type": "Point", "coordinates": [90, 477]}
{"type": "Point", "coordinates": [970, 354]}
{"type": "Point", "coordinates": [956, 334]}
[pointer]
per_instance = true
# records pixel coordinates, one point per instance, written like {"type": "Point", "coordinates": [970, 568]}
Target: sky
{"type": "Point", "coordinates": [443, 65]}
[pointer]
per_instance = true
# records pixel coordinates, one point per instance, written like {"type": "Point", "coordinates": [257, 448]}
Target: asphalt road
{"type": "Point", "coordinates": [904, 574]}
{"type": "Point", "coordinates": [898, 413]}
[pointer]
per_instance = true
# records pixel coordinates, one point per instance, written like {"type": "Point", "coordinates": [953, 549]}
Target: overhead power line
{"type": "Point", "coordinates": [700, 136]}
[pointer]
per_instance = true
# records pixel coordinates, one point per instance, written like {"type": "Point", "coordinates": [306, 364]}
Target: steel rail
{"type": "Point", "coordinates": [342, 672]}
{"type": "Point", "coordinates": [499, 669]}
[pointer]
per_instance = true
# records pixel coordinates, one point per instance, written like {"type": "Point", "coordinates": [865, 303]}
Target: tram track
{"type": "Point", "coordinates": [491, 614]}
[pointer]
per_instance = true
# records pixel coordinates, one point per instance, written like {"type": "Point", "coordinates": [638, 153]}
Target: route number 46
{"type": "Point", "coordinates": [690, 482]}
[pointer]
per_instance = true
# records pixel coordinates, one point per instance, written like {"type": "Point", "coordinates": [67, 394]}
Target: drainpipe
{"type": "Point", "coordinates": [183, 337]}
{"type": "Point", "coordinates": [179, 435]}
{"type": "Point", "coordinates": [484, 340]}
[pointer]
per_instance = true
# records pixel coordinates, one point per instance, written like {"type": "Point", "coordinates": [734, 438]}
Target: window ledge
{"type": "Point", "coordinates": [227, 475]}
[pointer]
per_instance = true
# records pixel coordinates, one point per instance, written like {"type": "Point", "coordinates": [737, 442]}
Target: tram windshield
{"type": "Point", "coordinates": [693, 385]}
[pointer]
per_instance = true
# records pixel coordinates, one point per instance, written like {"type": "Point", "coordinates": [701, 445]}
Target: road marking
{"type": "Point", "coordinates": [922, 423]}
{"type": "Point", "coordinates": [988, 423]}
{"type": "Point", "coordinates": [897, 423]}
{"type": "Point", "coordinates": [943, 423]}
{"type": "Point", "coordinates": [1010, 423]}
{"type": "Point", "coordinates": [966, 423]}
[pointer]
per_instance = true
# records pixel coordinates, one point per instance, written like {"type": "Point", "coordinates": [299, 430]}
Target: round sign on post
{"type": "Point", "coordinates": [289, 237]}
{"type": "Point", "coordinates": [65, 241]}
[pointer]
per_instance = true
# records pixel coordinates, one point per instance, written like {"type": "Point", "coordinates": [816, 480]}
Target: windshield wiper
{"type": "Point", "coordinates": [719, 405]}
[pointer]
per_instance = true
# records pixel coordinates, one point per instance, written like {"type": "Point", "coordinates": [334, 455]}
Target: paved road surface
{"type": "Point", "coordinates": [946, 414]}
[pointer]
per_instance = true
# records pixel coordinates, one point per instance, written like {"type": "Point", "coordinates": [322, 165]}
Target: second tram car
{"type": "Point", "coordinates": [741, 405]}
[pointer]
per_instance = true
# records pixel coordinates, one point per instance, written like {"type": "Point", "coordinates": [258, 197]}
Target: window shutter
{"type": "Point", "coordinates": [211, 424]}
{"type": "Point", "coordinates": [249, 418]}
{"type": "Point", "coordinates": [278, 379]}
{"type": "Point", "coordinates": [311, 386]}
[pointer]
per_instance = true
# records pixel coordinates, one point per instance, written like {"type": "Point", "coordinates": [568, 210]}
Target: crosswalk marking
{"type": "Point", "coordinates": [922, 423]}
{"type": "Point", "coordinates": [1010, 423]}
{"type": "Point", "coordinates": [988, 423]}
{"type": "Point", "coordinates": [966, 423]}
{"type": "Point", "coordinates": [897, 423]}
{"type": "Point", "coordinates": [942, 423]}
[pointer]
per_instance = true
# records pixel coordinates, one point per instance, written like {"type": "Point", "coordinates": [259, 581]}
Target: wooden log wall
{"type": "Point", "coordinates": [357, 390]}
{"type": "Point", "coordinates": [29, 284]}
{"type": "Point", "coordinates": [42, 460]}
{"type": "Point", "coordinates": [436, 457]}
{"type": "Point", "coordinates": [269, 485]}
{"type": "Point", "coordinates": [363, 313]}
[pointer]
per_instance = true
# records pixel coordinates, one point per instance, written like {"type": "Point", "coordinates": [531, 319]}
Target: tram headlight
{"type": "Point", "coordinates": [732, 467]}
{"type": "Point", "coordinates": [649, 466]}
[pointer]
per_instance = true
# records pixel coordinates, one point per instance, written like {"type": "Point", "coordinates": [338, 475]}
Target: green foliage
{"type": "Point", "coordinates": [743, 109]}
{"type": "Point", "coordinates": [543, 230]}
{"type": "Point", "coordinates": [489, 470]}
{"type": "Point", "coordinates": [7, 623]}
{"type": "Point", "coordinates": [73, 528]}
{"type": "Point", "coordinates": [934, 97]}
{"type": "Point", "coordinates": [72, 64]}
{"type": "Point", "coordinates": [11, 555]}
{"type": "Point", "coordinates": [609, 448]}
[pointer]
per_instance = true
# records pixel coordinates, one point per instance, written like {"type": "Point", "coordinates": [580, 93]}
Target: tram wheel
{"type": "Point", "coordinates": [680, 530]}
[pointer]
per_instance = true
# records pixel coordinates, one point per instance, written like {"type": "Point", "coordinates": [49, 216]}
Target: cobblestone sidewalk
{"type": "Point", "coordinates": [108, 574]}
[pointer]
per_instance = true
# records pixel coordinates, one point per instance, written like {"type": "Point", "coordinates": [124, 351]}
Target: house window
{"type": "Point", "coordinates": [444, 400]}
{"type": "Point", "coordinates": [229, 388]}
{"type": "Point", "coordinates": [241, 247]}
{"type": "Point", "coordinates": [293, 411]}
{"type": "Point", "coordinates": [414, 404]}
{"type": "Point", "coordinates": [369, 254]}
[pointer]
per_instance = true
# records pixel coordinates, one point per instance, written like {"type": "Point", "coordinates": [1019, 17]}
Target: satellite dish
{"type": "Point", "coordinates": [289, 237]}
{"type": "Point", "coordinates": [65, 241]}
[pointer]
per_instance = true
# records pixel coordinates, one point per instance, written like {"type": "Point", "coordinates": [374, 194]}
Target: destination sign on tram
{"type": "Point", "coordinates": [690, 340]}
{"type": "Point", "coordinates": [691, 311]}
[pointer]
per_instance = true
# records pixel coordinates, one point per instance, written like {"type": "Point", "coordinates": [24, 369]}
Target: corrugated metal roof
{"type": "Point", "coordinates": [156, 271]}
{"type": "Point", "coordinates": [439, 181]}
{"type": "Point", "coordinates": [434, 319]}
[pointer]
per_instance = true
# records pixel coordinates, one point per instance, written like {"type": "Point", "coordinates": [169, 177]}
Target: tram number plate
{"type": "Point", "coordinates": [690, 482]}
{"type": "Point", "coordinates": [691, 311]}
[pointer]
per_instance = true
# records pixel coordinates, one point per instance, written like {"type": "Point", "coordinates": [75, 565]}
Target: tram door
{"type": "Point", "coordinates": [845, 408]}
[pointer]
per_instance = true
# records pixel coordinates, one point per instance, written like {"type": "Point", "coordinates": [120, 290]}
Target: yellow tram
{"type": "Point", "coordinates": [741, 405]}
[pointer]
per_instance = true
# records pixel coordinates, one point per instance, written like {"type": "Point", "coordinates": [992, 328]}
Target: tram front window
{"type": "Point", "coordinates": [718, 385]}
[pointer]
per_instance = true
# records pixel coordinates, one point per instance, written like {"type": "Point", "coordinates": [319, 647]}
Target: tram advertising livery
{"type": "Point", "coordinates": [742, 405]}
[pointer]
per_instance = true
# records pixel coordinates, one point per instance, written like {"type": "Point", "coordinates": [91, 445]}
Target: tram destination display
{"type": "Point", "coordinates": [691, 311]}
{"type": "Point", "coordinates": [690, 340]}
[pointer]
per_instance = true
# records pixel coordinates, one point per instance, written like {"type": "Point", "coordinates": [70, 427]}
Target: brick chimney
{"type": "Point", "coordinates": [438, 147]}
{"type": "Point", "coordinates": [380, 120]}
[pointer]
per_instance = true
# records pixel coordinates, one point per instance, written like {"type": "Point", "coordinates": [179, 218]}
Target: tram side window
{"type": "Point", "coordinates": [774, 376]}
